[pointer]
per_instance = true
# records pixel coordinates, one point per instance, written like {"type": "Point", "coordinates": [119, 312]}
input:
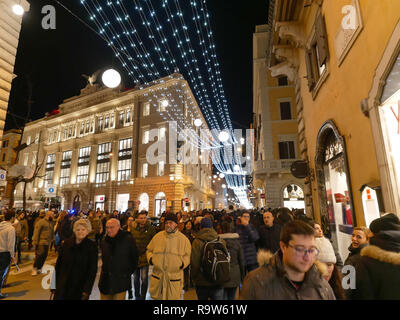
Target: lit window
{"type": "Point", "coordinates": [161, 167]}
{"type": "Point", "coordinates": [145, 170]}
{"type": "Point", "coordinates": [146, 109]}
{"type": "Point", "coordinates": [146, 136]}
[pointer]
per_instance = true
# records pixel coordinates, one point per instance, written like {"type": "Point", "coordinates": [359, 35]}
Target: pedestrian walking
{"type": "Point", "coordinates": [169, 254]}
{"type": "Point", "coordinates": [7, 248]}
{"type": "Point", "coordinates": [289, 274]}
{"type": "Point", "coordinates": [42, 238]}
{"type": "Point", "coordinates": [120, 259]}
{"type": "Point", "coordinates": [270, 233]}
{"type": "Point", "coordinates": [76, 265]}
{"type": "Point", "coordinates": [378, 269]}
{"type": "Point", "coordinates": [319, 237]}
{"type": "Point", "coordinates": [143, 232]}
{"type": "Point", "coordinates": [237, 268]}
{"type": "Point", "coordinates": [248, 235]}
{"type": "Point", "coordinates": [205, 288]}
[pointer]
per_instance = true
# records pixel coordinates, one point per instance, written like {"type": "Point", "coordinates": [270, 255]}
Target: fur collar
{"type": "Point", "coordinates": [379, 254]}
{"type": "Point", "coordinates": [229, 236]}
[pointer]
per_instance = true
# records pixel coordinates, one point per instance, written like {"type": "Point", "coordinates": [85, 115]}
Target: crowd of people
{"type": "Point", "coordinates": [259, 254]}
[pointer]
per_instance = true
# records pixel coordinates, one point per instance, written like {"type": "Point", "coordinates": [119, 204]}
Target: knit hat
{"type": "Point", "coordinates": [326, 252]}
{"type": "Point", "coordinates": [171, 217]}
{"type": "Point", "coordinates": [385, 223]}
{"type": "Point", "coordinates": [206, 223]}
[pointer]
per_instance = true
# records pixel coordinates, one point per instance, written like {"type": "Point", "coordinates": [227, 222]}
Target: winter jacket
{"type": "Point", "coordinates": [354, 254]}
{"type": "Point", "coordinates": [169, 253]}
{"type": "Point", "coordinates": [76, 269]}
{"type": "Point", "coordinates": [142, 237]}
{"type": "Point", "coordinates": [44, 232]}
{"type": "Point", "coordinates": [269, 237]}
{"type": "Point", "coordinates": [378, 269]}
{"type": "Point", "coordinates": [204, 235]}
{"type": "Point", "coordinates": [97, 227]}
{"type": "Point", "coordinates": [64, 229]}
{"type": "Point", "coordinates": [120, 257]}
{"type": "Point", "coordinates": [7, 238]}
{"type": "Point", "coordinates": [24, 229]}
{"type": "Point", "coordinates": [237, 270]}
{"type": "Point", "coordinates": [248, 235]}
{"type": "Point", "coordinates": [270, 282]}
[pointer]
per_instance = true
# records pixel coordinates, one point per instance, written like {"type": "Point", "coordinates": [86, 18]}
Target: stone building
{"type": "Point", "coordinates": [94, 150]}
{"type": "Point", "coordinates": [276, 139]}
{"type": "Point", "coordinates": [10, 27]}
{"type": "Point", "coordinates": [343, 59]}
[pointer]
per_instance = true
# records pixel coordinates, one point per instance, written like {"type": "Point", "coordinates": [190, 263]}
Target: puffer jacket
{"type": "Point", "coordinates": [378, 269]}
{"type": "Point", "coordinates": [237, 270]}
{"type": "Point", "coordinates": [270, 282]}
{"type": "Point", "coordinates": [354, 254]}
{"type": "Point", "coordinates": [204, 235]}
{"type": "Point", "coordinates": [44, 232]}
{"type": "Point", "coordinates": [248, 235]}
{"type": "Point", "coordinates": [169, 253]}
{"type": "Point", "coordinates": [143, 237]}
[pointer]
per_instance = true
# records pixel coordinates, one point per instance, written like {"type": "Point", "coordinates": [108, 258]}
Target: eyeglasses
{"type": "Point", "coordinates": [301, 251]}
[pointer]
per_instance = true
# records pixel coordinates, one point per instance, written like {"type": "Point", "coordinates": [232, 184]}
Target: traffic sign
{"type": "Point", "coordinates": [3, 178]}
{"type": "Point", "coordinates": [51, 191]}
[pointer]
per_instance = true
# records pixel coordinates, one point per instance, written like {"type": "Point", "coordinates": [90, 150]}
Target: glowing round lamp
{"type": "Point", "coordinates": [18, 10]}
{"type": "Point", "coordinates": [223, 186]}
{"type": "Point", "coordinates": [223, 136]}
{"type": "Point", "coordinates": [198, 123]}
{"type": "Point", "coordinates": [165, 103]}
{"type": "Point", "coordinates": [111, 78]}
{"type": "Point", "coordinates": [221, 175]}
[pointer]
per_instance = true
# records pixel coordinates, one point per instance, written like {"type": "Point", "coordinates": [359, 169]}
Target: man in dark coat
{"type": "Point", "coordinates": [378, 270]}
{"type": "Point", "coordinates": [290, 274]}
{"type": "Point", "coordinates": [120, 259]}
{"type": "Point", "coordinates": [248, 235]}
{"type": "Point", "coordinates": [269, 234]}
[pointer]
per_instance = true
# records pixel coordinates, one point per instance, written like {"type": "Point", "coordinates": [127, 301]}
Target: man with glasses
{"type": "Point", "coordinates": [248, 235]}
{"type": "Point", "coordinates": [290, 274]}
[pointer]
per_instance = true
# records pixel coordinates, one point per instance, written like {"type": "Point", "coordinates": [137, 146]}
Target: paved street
{"type": "Point", "coordinates": [23, 286]}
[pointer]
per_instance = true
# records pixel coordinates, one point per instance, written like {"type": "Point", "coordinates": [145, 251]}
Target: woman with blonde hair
{"type": "Point", "coordinates": [76, 265]}
{"type": "Point", "coordinates": [359, 240]}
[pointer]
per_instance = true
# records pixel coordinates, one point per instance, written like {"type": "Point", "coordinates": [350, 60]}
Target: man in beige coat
{"type": "Point", "coordinates": [169, 254]}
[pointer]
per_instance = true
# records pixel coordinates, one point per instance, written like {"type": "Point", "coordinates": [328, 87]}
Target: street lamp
{"type": "Point", "coordinates": [111, 78]}
{"type": "Point", "coordinates": [18, 10]}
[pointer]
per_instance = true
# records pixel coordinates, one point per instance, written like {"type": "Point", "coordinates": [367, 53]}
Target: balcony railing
{"type": "Point", "coordinates": [273, 166]}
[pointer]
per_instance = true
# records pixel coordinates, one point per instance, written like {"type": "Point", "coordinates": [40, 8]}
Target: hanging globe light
{"type": "Point", "coordinates": [111, 78]}
{"type": "Point", "coordinates": [18, 10]}
{"type": "Point", "coordinates": [223, 136]}
{"type": "Point", "coordinates": [198, 122]}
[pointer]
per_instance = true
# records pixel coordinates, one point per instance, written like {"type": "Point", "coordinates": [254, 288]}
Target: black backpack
{"type": "Point", "coordinates": [215, 264]}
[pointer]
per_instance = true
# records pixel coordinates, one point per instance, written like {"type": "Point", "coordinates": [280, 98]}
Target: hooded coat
{"type": "Point", "coordinates": [204, 235]}
{"type": "Point", "coordinates": [237, 270]}
{"type": "Point", "coordinates": [76, 269]}
{"type": "Point", "coordinates": [378, 269]}
{"type": "Point", "coordinates": [169, 253]}
{"type": "Point", "coordinates": [270, 282]}
{"type": "Point", "coordinates": [120, 258]}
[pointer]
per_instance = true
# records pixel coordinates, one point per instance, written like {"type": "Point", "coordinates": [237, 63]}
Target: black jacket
{"type": "Point", "coordinates": [120, 259]}
{"type": "Point", "coordinates": [354, 254]}
{"type": "Point", "coordinates": [378, 269]}
{"type": "Point", "coordinates": [237, 270]}
{"type": "Point", "coordinates": [76, 269]}
{"type": "Point", "coordinates": [248, 235]}
{"type": "Point", "coordinates": [269, 237]}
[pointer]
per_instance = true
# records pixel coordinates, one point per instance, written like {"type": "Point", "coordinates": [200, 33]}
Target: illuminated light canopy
{"type": "Point", "coordinates": [111, 78]}
{"type": "Point", "coordinates": [18, 10]}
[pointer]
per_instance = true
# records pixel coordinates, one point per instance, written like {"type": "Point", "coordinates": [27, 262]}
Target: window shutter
{"type": "Point", "coordinates": [310, 73]}
{"type": "Point", "coordinates": [322, 40]}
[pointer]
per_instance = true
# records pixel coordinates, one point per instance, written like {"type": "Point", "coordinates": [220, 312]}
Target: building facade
{"type": "Point", "coordinates": [343, 59]}
{"type": "Point", "coordinates": [10, 27]}
{"type": "Point", "coordinates": [110, 149]}
{"type": "Point", "coordinates": [276, 139]}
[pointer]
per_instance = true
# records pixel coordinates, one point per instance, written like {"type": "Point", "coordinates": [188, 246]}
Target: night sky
{"type": "Point", "coordinates": [54, 60]}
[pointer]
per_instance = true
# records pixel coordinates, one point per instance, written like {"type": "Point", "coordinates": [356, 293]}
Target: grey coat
{"type": "Point", "coordinates": [237, 270]}
{"type": "Point", "coordinates": [270, 282]}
